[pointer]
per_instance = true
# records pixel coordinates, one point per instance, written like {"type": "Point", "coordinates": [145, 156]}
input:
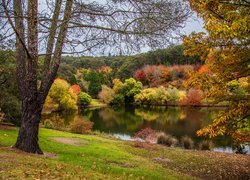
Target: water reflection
{"type": "Point", "coordinates": [177, 121]}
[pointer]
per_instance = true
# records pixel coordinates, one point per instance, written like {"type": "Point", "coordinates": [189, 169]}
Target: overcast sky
{"type": "Point", "coordinates": [194, 24]}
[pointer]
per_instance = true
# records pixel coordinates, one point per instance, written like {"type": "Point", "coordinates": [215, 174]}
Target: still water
{"type": "Point", "coordinates": [177, 121]}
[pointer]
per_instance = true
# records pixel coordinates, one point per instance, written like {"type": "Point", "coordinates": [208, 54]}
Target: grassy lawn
{"type": "Point", "coordinates": [72, 156]}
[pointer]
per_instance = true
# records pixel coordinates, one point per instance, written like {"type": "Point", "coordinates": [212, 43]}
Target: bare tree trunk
{"type": "Point", "coordinates": [33, 100]}
{"type": "Point", "coordinates": [28, 134]}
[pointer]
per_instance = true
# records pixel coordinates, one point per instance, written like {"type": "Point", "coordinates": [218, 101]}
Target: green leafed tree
{"type": "Point", "coordinates": [95, 85]}
{"type": "Point", "coordinates": [130, 88]}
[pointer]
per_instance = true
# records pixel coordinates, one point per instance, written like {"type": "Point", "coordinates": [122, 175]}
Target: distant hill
{"type": "Point", "coordinates": [125, 66]}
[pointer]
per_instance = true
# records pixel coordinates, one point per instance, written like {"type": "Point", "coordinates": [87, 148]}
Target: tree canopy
{"type": "Point", "coordinates": [225, 47]}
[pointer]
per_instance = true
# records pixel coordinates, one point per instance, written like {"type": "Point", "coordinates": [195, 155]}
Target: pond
{"type": "Point", "coordinates": [177, 121]}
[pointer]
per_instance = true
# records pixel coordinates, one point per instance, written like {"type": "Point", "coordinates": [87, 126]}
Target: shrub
{"type": "Point", "coordinates": [76, 89]}
{"type": "Point", "coordinates": [118, 100]}
{"type": "Point", "coordinates": [10, 107]}
{"type": "Point", "coordinates": [48, 124]}
{"type": "Point", "coordinates": [205, 145]}
{"type": "Point", "coordinates": [126, 91]}
{"type": "Point", "coordinates": [130, 88]}
{"type": "Point", "coordinates": [147, 96]}
{"type": "Point", "coordinates": [117, 85]}
{"type": "Point", "coordinates": [61, 97]}
{"type": "Point", "coordinates": [84, 99]}
{"type": "Point", "coordinates": [81, 126]}
{"type": "Point", "coordinates": [107, 94]}
{"type": "Point", "coordinates": [140, 76]}
{"type": "Point", "coordinates": [175, 95]}
{"type": "Point", "coordinates": [193, 98]}
{"type": "Point", "coordinates": [152, 96]}
{"type": "Point", "coordinates": [167, 140]}
{"type": "Point", "coordinates": [187, 142]}
{"type": "Point", "coordinates": [144, 133]}
{"type": "Point", "coordinates": [153, 75]}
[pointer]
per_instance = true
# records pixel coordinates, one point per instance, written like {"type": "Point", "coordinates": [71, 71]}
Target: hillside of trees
{"type": "Point", "coordinates": [124, 67]}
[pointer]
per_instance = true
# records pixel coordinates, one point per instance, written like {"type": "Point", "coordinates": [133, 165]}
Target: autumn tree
{"type": "Point", "coordinates": [225, 47]}
{"type": "Point", "coordinates": [51, 28]}
{"type": "Point", "coordinates": [61, 97]}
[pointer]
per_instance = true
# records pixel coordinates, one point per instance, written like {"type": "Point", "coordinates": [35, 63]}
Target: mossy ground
{"type": "Point", "coordinates": [106, 158]}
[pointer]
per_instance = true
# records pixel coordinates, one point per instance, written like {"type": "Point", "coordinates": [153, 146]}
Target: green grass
{"type": "Point", "coordinates": [108, 158]}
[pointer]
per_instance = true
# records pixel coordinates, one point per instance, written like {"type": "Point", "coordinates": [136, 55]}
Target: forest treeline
{"type": "Point", "coordinates": [124, 67]}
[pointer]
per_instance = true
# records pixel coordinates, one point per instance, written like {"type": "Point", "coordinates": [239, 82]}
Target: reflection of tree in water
{"type": "Point", "coordinates": [177, 121]}
{"type": "Point", "coordinates": [121, 120]}
{"type": "Point", "coordinates": [63, 120]}
{"type": "Point", "coordinates": [68, 117]}
{"type": "Point", "coordinates": [147, 115]}
{"type": "Point", "coordinates": [211, 113]}
{"type": "Point", "coordinates": [65, 117]}
{"type": "Point", "coordinates": [86, 113]}
{"type": "Point", "coordinates": [109, 117]}
{"type": "Point", "coordinates": [161, 115]}
{"type": "Point", "coordinates": [126, 117]}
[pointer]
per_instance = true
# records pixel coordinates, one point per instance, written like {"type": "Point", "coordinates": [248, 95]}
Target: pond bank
{"type": "Point", "coordinates": [125, 122]}
{"type": "Point", "coordinates": [184, 105]}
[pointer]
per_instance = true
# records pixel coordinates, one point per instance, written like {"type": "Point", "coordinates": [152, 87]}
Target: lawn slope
{"type": "Point", "coordinates": [73, 156]}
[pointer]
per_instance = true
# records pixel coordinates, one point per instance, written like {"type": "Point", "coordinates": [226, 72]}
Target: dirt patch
{"type": "Point", "coordinates": [70, 141]}
{"type": "Point", "coordinates": [50, 155]}
{"type": "Point", "coordinates": [162, 160]}
{"type": "Point", "coordinates": [144, 145]}
{"type": "Point", "coordinates": [6, 127]}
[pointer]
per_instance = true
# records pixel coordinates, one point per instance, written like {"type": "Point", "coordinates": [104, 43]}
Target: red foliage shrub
{"type": "Point", "coordinates": [140, 75]}
{"type": "Point", "coordinates": [193, 98]}
{"type": "Point", "coordinates": [145, 133]}
{"type": "Point", "coordinates": [156, 75]}
{"type": "Point", "coordinates": [75, 89]}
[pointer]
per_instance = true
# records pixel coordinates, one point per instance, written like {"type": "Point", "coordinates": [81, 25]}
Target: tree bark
{"type": "Point", "coordinates": [28, 133]}
{"type": "Point", "coordinates": [32, 102]}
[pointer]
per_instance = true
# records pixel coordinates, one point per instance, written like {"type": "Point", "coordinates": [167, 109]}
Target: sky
{"type": "Point", "coordinates": [193, 24]}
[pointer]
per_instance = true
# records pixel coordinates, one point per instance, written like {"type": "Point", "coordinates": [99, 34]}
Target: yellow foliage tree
{"type": "Point", "coordinates": [225, 48]}
{"type": "Point", "coordinates": [60, 97]}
